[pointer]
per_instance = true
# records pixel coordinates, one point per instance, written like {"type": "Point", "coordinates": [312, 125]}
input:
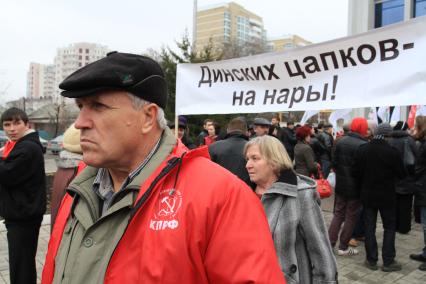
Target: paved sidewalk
{"type": "Point", "coordinates": [351, 269]}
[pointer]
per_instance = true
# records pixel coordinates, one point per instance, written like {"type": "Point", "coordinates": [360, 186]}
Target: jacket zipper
{"type": "Point", "coordinates": [170, 166]}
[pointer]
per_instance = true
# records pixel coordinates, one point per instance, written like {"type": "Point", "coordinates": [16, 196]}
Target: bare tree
{"type": "Point", "coordinates": [236, 48]}
{"type": "Point", "coordinates": [58, 117]}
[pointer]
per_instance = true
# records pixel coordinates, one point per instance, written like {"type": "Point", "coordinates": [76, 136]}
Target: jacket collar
{"type": "Point", "coordinates": [285, 185]}
{"type": "Point", "coordinates": [356, 135]}
{"type": "Point", "coordinates": [290, 183]}
{"type": "Point", "coordinates": [399, 133]}
{"type": "Point", "coordinates": [236, 134]}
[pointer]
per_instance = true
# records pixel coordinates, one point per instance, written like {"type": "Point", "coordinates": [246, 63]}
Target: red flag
{"type": "Point", "coordinates": [412, 116]}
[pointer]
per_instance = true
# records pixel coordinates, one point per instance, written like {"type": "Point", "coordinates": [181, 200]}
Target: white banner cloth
{"type": "Point", "coordinates": [339, 114]}
{"type": "Point", "coordinates": [307, 115]}
{"type": "Point", "coordinates": [380, 67]}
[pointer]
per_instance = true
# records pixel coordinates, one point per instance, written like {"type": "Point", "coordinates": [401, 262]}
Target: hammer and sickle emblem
{"type": "Point", "coordinates": [167, 206]}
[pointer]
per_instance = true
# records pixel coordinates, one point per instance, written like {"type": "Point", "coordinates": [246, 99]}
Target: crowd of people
{"type": "Point", "coordinates": [132, 203]}
{"type": "Point", "coordinates": [376, 168]}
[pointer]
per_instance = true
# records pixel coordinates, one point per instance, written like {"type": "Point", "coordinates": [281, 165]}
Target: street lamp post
{"type": "Point", "coordinates": [194, 24]}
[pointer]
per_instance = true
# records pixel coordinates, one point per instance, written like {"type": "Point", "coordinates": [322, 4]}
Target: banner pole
{"type": "Point", "coordinates": [176, 126]}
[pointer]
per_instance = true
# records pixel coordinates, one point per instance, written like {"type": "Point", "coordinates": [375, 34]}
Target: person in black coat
{"type": "Point", "coordinates": [22, 194]}
{"type": "Point", "coordinates": [229, 153]}
{"type": "Point", "coordinates": [420, 182]}
{"type": "Point", "coordinates": [347, 203]}
{"type": "Point", "coordinates": [287, 136]}
{"type": "Point", "coordinates": [326, 141]}
{"type": "Point", "coordinates": [403, 142]}
{"type": "Point", "coordinates": [376, 165]}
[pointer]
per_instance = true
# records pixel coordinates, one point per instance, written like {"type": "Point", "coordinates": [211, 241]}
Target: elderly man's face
{"type": "Point", "coordinates": [110, 129]}
{"type": "Point", "coordinates": [261, 130]}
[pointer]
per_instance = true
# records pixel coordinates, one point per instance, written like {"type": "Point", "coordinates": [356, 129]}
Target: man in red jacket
{"type": "Point", "coordinates": [146, 209]}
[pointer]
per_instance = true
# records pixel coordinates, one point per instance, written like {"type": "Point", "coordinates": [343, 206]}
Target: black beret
{"type": "Point", "coordinates": [136, 74]}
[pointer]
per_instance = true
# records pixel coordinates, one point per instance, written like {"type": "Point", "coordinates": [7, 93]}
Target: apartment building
{"type": "Point", "coordinates": [228, 23]}
{"type": "Point", "coordinates": [286, 42]}
{"type": "Point", "coordinates": [73, 57]}
{"type": "Point", "coordinates": [40, 81]}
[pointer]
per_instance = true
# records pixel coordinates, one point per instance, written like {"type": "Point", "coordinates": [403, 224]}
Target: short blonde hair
{"type": "Point", "coordinates": [273, 151]}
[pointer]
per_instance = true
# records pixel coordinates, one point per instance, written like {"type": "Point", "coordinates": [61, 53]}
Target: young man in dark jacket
{"type": "Point", "coordinates": [22, 194]}
{"type": "Point", "coordinates": [376, 166]}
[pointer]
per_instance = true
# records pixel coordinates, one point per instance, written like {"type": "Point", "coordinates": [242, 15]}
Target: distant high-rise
{"type": "Point", "coordinates": [71, 58]}
{"type": "Point", "coordinates": [287, 42]}
{"type": "Point", "coordinates": [40, 81]}
{"type": "Point", "coordinates": [228, 23]}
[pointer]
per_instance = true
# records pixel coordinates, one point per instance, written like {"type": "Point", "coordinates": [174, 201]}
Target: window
{"type": "Point", "coordinates": [227, 16]}
{"type": "Point", "coordinates": [80, 50]}
{"type": "Point", "coordinates": [87, 57]}
{"type": "Point", "coordinates": [87, 50]}
{"type": "Point", "coordinates": [419, 8]}
{"type": "Point", "coordinates": [388, 12]}
{"type": "Point", "coordinates": [80, 57]}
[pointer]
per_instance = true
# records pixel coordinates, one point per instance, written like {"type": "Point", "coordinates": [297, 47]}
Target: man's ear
{"type": "Point", "coordinates": [149, 121]}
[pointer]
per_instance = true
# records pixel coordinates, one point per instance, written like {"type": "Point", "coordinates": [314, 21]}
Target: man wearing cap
{"type": "Point", "coordinates": [376, 165]}
{"type": "Point", "coordinates": [261, 126]}
{"type": "Point", "coordinates": [145, 209]}
{"type": "Point", "coordinates": [183, 132]}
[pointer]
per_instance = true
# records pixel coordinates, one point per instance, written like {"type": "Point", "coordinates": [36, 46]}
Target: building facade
{"type": "Point", "coordinates": [73, 57]}
{"type": "Point", "coordinates": [370, 14]}
{"type": "Point", "coordinates": [40, 81]}
{"type": "Point", "coordinates": [287, 42]}
{"type": "Point", "coordinates": [228, 23]}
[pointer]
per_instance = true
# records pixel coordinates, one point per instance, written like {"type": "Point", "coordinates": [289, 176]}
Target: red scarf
{"type": "Point", "coordinates": [8, 147]}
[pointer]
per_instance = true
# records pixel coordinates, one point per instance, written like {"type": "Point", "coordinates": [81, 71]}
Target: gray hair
{"type": "Point", "coordinates": [273, 151]}
{"type": "Point", "coordinates": [138, 103]}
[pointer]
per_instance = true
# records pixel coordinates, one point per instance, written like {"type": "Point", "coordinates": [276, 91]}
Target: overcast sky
{"type": "Point", "coordinates": [31, 31]}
